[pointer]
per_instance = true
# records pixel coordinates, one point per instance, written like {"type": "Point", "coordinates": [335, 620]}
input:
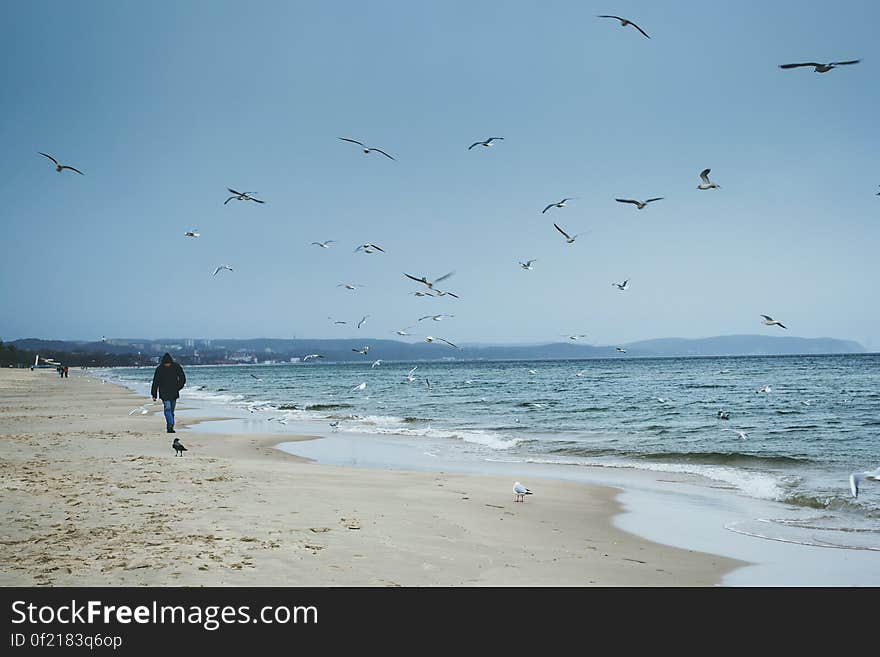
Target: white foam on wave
{"type": "Point", "coordinates": [759, 485]}
{"type": "Point", "coordinates": [393, 425]}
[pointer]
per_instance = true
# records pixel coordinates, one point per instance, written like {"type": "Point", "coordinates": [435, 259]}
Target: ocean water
{"type": "Point", "coordinates": [809, 421]}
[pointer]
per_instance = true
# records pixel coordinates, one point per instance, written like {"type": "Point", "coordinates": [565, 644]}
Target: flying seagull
{"type": "Point", "coordinates": [192, 233]}
{"type": "Point", "coordinates": [334, 425]}
{"type": "Point", "coordinates": [624, 22]}
{"type": "Point", "coordinates": [821, 68]}
{"type": "Point", "coordinates": [363, 350]}
{"type": "Point", "coordinates": [520, 491]}
{"type": "Point", "coordinates": [358, 387]}
{"type": "Point", "coordinates": [60, 167]}
{"type": "Point", "coordinates": [324, 245]}
{"type": "Point", "coordinates": [436, 318]}
{"type": "Point", "coordinates": [423, 294]}
{"type": "Point", "coordinates": [527, 264]}
{"type": "Point", "coordinates": [403, 331]}
{"type": "Point", "coordinates": [179, 449]}
{"type": "Point", "coordinates": [707, 184]}
{"type": "Point", "coordinates": [256, 377]}
{"type": "Point", "coordinates": [622, 286]}
{"type": "Point", "coordinates": [639, 204]}
{"type": "Point", "coordinates": [769, 321]}
{"type": "Point", "coordinates": [427, 383]}
{"type": "Point", "coordinates": [486, 143]}
{"type": "Point", "coordinates": [222, 267]}
{"type": "Point", "coordinates": [856, 478]}
{"type": "Point", "coordinates": [568, 238]}
{"type": "Point", "coordinates": [424, 279]}
{"type": "Point", "coordinates": [620, 350]}
{"type": "Point", "coordinates": [242, 196]}
{"type": "Point", "coordinates": [369, 248]}
{"type": "Point", "coordinates": [723, 415]}
{"type": "Point", "coordinates": [430, 338]}
{"type": "Point", "coordinates": [441, 293]}
{"type": "Point", "coordinates": [350, 286]}
{"type": "Point", "coordinates": [376, 363]}
{"type": "Point", "coordinates": [741, 434]}
{"type": "Point", "coordinates": [367, 149]}
{"type": "Point", "coordinates": [577, 336]}
{"type": "Point", "coordinates": [363, 321]}
{"type": "Point", "coordinates": [308, 357]}
{"type": "Point", "coordinates": [558, 204]}
{"type": "Point", "coordinates": [409, 377]}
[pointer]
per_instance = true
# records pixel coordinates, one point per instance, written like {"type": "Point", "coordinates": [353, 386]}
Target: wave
{"type": "Point", "coordinates": [327, 407]}
{"type": "Point", "coordinates": [722, 458]}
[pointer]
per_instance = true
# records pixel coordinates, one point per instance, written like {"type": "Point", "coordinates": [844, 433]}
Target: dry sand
{"type": "Point", "coordinates": [91, 496]}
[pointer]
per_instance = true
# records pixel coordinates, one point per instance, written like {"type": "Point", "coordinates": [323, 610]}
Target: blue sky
{"type": "Point", "coordinates": [164, 105]}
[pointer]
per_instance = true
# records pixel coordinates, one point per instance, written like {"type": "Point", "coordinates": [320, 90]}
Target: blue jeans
{"type": "Point", "coordinates": [168, 405]}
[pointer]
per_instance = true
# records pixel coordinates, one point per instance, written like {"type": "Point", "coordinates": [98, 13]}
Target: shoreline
{"type": "Point", "coordinates": [92, 497]}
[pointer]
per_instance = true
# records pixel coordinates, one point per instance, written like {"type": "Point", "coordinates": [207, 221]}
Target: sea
{"type": "Point", "coordinates": [807, 422]}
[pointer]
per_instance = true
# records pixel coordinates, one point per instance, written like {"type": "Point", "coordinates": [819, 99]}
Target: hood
{"type": "Point", "coordinates": [167, 358]}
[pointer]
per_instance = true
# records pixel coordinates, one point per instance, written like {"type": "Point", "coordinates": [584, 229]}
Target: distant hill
{"type": "Point", "coordinates": [743, 345]}
{"type": "Point", "coordinates": [345, 350]}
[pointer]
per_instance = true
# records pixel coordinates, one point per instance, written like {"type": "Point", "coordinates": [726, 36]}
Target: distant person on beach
{"type": "Point", "coordinates": [66, 372]}
{"type": "Point", "coordinates": [60, 371]}
{"type": "Point", "coordinates": [167, 382]}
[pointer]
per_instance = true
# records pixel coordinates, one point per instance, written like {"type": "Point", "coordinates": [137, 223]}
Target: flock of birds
{"type": "Point", "coordinates": [430, 286]}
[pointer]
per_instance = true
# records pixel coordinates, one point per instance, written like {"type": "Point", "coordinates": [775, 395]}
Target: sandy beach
{"type": "Point", "coordinates": [93, 496]}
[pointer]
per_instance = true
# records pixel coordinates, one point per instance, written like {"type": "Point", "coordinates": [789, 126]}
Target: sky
{"type": "Point", "coordinates": [165, 105]}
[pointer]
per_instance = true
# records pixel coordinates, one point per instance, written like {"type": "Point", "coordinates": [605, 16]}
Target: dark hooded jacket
{"type": "Point", "coordinates": [168, 381]}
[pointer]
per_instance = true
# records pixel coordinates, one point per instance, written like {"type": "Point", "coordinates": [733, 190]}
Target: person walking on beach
{"type": "Point", "coordinates": [168, 379]}
{"type": "Point", "coordinates": [66, 372]}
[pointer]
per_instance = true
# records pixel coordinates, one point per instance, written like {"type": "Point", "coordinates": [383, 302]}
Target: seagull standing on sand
{"type": "Point", "coordinates": [242, 196]}
{"type": "Point", "coordinates": [624, 22]}
{"type": "Point", "coordinates": [179, 449]}
{"type": "Point", "coordinates": [639, 204]}
{"type": "Point", "coordinates": [527, 265]}
{"type": "Point", "coordinates": [324, 245]}
{"type": "Point", "coordinates": [221, 268]}
{"type": "Point", "coordinates": [769, 321]}
{"type": "Point", "coordinates": [707, 184]}
{"type": "Point", "coordinates": [821, 68]}
{"type": "Point", "coordinates": [486, 143]}
{"type": "Point", "coordinates": [857, 478]}
{"type": "Point", "coordinates": [60, 167]}
{"type": "Point", "coordinates": [568, 239]}
{"type": "Point", "coordinates": [520, 491]}
{"type": "Point", "coordinates": [367, 150]}
{"type": "Point", "coordinates": [557, 204]}
{"type": "Point", "coordinates": [622, 286]}
{"type": "Point", "coordinates": [191, 233]}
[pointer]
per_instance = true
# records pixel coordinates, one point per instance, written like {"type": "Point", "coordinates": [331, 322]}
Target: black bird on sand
{"type": "Point", "coordinates": [178, 447]}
